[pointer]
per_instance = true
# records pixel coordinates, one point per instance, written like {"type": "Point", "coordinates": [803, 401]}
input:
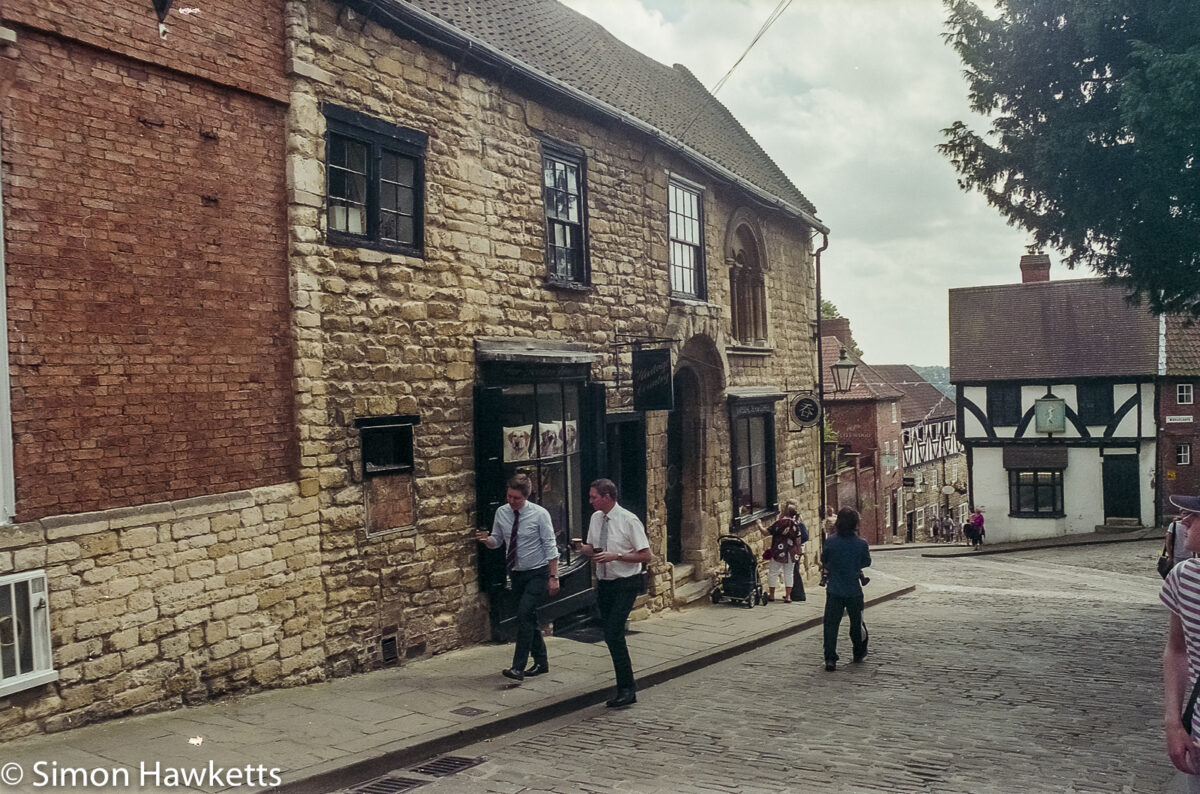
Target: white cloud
{"type": "Point", "coordinates": [849, 97]}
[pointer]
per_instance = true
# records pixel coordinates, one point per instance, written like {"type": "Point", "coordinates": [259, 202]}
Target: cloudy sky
{"type": "Point", "coordinates": [849, 97]}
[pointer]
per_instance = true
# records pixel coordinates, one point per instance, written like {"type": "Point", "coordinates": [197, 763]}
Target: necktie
{"type": "Point", "coordinates": [510, 557]}
{"type": "Point", "coordinates": [603, 546]}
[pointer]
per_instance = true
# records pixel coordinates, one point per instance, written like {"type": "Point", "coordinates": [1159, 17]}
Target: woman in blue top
{"type": "Point", "coordinates": [843, 558]}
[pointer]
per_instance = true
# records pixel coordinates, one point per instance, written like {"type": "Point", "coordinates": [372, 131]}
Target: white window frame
{"type": "Point", "coordinates": [679, 238]}
{"type": "Point", "coordinates": [1184, 394]}
{"type": "Point", "coordinates": [962, 513]}
{"type": "Point", "coordinates": [38, 622]}
{"type": "Point", "coordinates": [895, 413]}
{"type": "Point", "coordinates": [8, 488]}
{"type": "Point", "coordinates": [1183, 454]}
{"type": "Point", "coordinates": [920, 518]}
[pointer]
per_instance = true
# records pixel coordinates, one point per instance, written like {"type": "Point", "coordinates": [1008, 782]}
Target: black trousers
{"type": "Point", "coordinates": [615, 599]}
{"type": "Point", "coordinates": [834, 607]}
{"type": "Point", "coordinates": [529, 588]}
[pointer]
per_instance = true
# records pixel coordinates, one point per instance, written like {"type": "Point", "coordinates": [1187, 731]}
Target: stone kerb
{"type": "Point", "coordinates": [170, 603]}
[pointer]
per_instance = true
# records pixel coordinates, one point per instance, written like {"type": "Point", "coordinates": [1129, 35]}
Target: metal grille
{"type": "Point", "coordinates": [447, 765]}
{"type": "Point", "coordinates": [388, 785]}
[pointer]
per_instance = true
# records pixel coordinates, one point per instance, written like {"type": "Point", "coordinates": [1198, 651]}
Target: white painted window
{"type": "Point", "coordinates": [1183, 454]}
{"type": "Point", "coordinates": [920, 518]}
{"type": "Point", "coordinates": [962, 513]}
{"type": "Point", "coordinates": [1183, 394]}
{"type": "Point", "coordinates": [895, 413]}
{"type": "Point", "coordinates": [25, 658]}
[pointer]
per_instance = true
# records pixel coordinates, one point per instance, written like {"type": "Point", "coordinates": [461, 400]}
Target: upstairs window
{"type": "Point", "coordinates": [1183, 394]}
{"type": "Point", "coordinates": [375, 182]}
{"type": "Point", "coordinates": [685, 232]}
{"type": "Point", "coordinates": [566, 228]}
{"type": "Point", "coordinates": [1095, 403]}
{"type": "Point", "coordinates": [1183, 454]}
{"type": "Point", "coordinates": [747, 293]}
{"type": "Point", "coordinates": [1004, 405]}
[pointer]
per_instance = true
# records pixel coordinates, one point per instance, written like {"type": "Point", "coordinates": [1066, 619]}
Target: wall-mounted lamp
{"type": "Point", "coordinates": [843, 373]}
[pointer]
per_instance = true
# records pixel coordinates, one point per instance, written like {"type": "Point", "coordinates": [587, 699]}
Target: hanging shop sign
{"type": "Point", "coordinates": [653, 389]}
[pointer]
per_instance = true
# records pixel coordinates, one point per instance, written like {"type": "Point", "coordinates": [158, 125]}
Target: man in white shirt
{"type": "Point", "coordinates": [532, 563]}
{"type": "Point", "coordinates": [617, 543]}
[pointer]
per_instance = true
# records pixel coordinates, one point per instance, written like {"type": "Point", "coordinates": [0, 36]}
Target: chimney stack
{"type": "Point", "coordinates": [1035, 267]}
{"type": "Point", "coordinates": [838, 327]}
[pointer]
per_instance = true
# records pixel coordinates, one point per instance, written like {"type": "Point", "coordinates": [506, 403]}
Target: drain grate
{"type": "Point", "coordinates": [468, 711]}
{"type": "Point", "coordinates": [388, 785]}
{"type": "Point", "coordinates": [447, 765]}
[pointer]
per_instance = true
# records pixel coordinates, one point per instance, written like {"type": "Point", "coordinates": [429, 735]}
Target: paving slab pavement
{"type": "Point", "coordinates": [318, 737]}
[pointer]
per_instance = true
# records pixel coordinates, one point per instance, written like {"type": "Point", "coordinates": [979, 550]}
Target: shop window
{"type": "Point", "coordinates": [686, 224]}
{"type": "Point", "coordinates": [1095, 403]}
{"type": "Point", "coordinates": [566, 214]}
{"type": "Point", "coordinates": [1035, 494]}
{"type": "Point", "coordinates": [1004, 405]}
{"type": "Point", "coordinates": [540, 424]}
{"type": "Point", "coordinates": [1183, 454]}
{"type": "Point", "coordinates": [1183, 394]}
{"type": "Point", "coordinates": [375, 182]}
{"type": "Point", "coordinates": [753, 437]}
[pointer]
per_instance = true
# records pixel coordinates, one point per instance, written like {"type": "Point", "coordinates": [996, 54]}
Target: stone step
{"type": "Point", "coordinates": [1119, 525]}
{"type": "Point", "coordinates": [683, 573]}
{"type": "Point", "coordinates": [691, 592]}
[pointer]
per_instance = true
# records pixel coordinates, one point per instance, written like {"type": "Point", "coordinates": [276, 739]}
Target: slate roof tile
{"type": "Point", "coordinates": [922, 400]}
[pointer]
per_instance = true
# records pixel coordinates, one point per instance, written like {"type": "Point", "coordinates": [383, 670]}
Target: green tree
{"type": "Point", "coordinates": [828, 310]}
{"type": "Point", "coordinates": [1093, 136]}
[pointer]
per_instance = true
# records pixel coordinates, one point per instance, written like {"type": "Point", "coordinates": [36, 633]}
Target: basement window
{"type": "Point", "coordinates": [25, 658]}
{"type": "Point", "coordinates": [387, 444]}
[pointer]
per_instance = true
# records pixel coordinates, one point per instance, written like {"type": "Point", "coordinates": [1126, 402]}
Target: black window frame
{"type": "Point", "coordinates": [380, 138]}
{"type": "Point", "coordinates": [675, 219]}
{"type": "Point", "coordinates": [569, 157]}
{"type": "Point", "coordinates": [1095, 403]}
{"type": "Point", "coordinates": [1004, 404]}
{"type": "Point", "coordinates": [1036, 488]}
{"type": "Point", "coordinates": [752, 412]}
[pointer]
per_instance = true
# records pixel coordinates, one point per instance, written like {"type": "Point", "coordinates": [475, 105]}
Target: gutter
{"type": "Point", "coordinates": [425, 27]}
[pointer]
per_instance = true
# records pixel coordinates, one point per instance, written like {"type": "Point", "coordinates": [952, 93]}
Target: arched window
{"type": "Point", "coordinates": [747, 293]}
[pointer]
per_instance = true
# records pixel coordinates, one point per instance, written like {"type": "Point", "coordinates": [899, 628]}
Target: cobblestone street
{"type": "Point", "coordinates": [1029, 672]}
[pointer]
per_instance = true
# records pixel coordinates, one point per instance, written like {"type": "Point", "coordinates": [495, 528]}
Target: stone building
{"type": "Point", "coordinates": [933, 463]}
{"type": "Point", "coordinates": [293, 287]}
{"type": "Point", "coordinates": [489, 220]}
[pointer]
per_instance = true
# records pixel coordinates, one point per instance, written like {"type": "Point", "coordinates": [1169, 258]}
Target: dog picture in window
{"type": "Point", "coordinates": [517, 443]}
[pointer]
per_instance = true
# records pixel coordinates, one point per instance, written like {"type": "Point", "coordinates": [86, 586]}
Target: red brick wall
{"type": "Point", "coordinates": [1173, 478]}
{"type": "Point", "coordinates": [231, 42]}
{"type": "Point", "coordinates": [149, 329]}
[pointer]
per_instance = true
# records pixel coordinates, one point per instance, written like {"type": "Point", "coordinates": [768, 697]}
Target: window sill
{"type": "Point", "coordinates": [28, 681]}
{"type": "Point", "coordinates": [692, 302]}
{"type": "Point", "coordinates": [747, 521]}
{"type": "Point", "coordinates": [567, 286]}
{"type": "Point", "coordinates": [749, 350]}
{"type": "Point", "coordinates": [1037, 515]}
{"type": "Point", "coordinates": [347, 240]}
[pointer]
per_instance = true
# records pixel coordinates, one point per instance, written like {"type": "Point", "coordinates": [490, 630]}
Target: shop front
{"type": "Point", "coordinates": [537, 412]}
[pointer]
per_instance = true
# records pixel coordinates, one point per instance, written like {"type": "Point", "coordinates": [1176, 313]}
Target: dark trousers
{"type": "Point", "coordinates": [834, 606]}
{"type": "Point", "coordinates": [529, 588]}
{"type": "Point", "coordinates": [615, 599]}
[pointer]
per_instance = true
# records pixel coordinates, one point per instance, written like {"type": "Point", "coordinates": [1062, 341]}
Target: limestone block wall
{"type": "Point", "coordinates": [171, 603]}
{"type": "Point", "coordinates": [381, 333]}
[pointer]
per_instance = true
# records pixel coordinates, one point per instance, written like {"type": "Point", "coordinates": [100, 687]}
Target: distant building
{"type": "Point", "coordinates": [864, 471]}
{"type": "Point", "coordinates": [933, 462]}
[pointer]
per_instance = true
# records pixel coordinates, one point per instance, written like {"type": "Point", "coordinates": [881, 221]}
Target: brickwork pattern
{"type": "Point", "coordinates": [382, 334]}
{"type": "Point", "coordinates": [171, 603]}
{"type": "Point", "coordinates": [147, 283]}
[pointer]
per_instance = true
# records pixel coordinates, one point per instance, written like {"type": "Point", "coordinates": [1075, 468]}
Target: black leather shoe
{"type": "Point", "coordinates": [830, 665]}
{"type": "Point", "coordinates": [537, 669]}
{"type": "Point", "coordinates": [858, 657]}
{"type": "Point", "coordinates": [513, 673]}
{"type": "Point", "coordinates": [625, 697]}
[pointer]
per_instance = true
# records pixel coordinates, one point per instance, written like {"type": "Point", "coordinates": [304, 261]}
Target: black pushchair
{"type": "Point", "coordinates": [740, 584]}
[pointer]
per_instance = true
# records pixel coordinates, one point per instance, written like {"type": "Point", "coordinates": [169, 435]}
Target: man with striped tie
{"type": "Point", "coordinates": [617, 544]}
{"type": "Point", "coordinates": [527, 532]}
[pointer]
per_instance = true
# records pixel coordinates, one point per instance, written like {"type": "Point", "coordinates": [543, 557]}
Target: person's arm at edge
{"type": "Point", "coordinates": [550, 547]}
{"type": "Point", "coordinates": [1180, 746]}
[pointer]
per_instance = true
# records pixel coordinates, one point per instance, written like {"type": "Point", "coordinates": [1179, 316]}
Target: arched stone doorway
{"type": "Point", "coordinates": [698, 378]}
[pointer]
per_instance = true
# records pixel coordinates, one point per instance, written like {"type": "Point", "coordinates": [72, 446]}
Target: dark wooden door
{"type": "Point", "coordinates": [1121, 486]}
